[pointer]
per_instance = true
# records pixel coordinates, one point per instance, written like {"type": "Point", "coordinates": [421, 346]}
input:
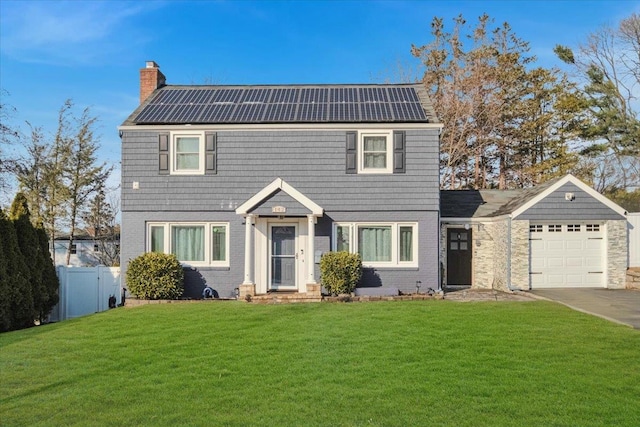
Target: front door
{"type": "Point", "coordinates": [458, 256]}
{"type": "Point", "coordinates": [283, 257]}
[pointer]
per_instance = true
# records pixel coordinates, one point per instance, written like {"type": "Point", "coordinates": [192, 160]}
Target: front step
{"type": "Point", "coordinates": [285, 298]}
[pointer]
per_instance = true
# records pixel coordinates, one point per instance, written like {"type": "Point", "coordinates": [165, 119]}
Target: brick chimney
{"type": "Point", "coordinates": [151, 78]}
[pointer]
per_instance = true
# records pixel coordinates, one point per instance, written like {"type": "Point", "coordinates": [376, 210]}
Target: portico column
{"type": "Point", "coordinates": [311, 249]}
{"type": "Point", "coordinates": [248, 251]}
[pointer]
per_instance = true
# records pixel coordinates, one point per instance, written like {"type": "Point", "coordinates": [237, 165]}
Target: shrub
{"type": "Point", "coordinates": [155, 276]}
{"type": "Point", "coordinates": [340, 272]}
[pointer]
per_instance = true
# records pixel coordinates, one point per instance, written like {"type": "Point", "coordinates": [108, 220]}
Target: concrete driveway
{"type": "Point", "coordinates": [616, 305]}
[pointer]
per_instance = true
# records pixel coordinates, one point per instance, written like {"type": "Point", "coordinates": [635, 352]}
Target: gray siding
{"type": "Point", "coordinates": [280, 198]}
{"type": "Point", "coordinates": [555, 207]}
{"type": "Point", "coordinates": [225, 279]}
{"type": "Point", "coordinates": [311, 161]}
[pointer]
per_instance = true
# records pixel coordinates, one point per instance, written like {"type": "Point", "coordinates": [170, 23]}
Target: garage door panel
{"type": "Point", "coordinates": [554, 263]}
{"type": "Point", "coordinates": [572, 245]}
{"type": "Point", "coordinates": [574, 262]}
{"type": "Point", "coordinates": [562, 258]}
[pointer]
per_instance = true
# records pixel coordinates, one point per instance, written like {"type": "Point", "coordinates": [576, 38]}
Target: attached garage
{"type": "Point", "coordinates": [560, 234]}
{"type": "Point", "coordinates": [567, 255]}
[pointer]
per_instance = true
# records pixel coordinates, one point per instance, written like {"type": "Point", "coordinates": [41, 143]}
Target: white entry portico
{"type": "Point", "coordinates": [279, 240]}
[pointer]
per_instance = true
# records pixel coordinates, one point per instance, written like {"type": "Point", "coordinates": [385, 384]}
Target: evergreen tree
{"type": "Point", "coordinates": [5, 293]}
{"type": "Point", "coordinates": [27, 242]}
{"type": "Point", "coordinates": [49, 290]}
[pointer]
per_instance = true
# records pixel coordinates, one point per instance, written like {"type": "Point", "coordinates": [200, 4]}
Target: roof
{"type": "Point", "coordinates": [474, 203]}
{"type": "Point", "coordinates": [494, 203]}
{"type": "Point", "coordinates": [254, 104]}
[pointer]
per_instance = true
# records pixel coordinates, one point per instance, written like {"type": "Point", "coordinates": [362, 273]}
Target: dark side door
{"type": "Point", "coordinates": [458, 256]}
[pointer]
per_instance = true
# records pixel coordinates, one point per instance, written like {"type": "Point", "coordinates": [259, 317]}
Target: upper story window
{"type": "Point", "coordinates": [375, 153]}
{"type": "Point", "coordinates": [187, 153]}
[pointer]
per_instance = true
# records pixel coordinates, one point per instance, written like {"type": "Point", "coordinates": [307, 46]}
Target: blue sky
{"type": "Point", "coordinates": [91, 51]}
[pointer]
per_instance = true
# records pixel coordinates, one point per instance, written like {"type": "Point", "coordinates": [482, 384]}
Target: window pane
{"type": "Point", "coordinates": [374, 243]}
{"type": "Point", "coordinates": [187, 153]}
{"type": "Point", "coordinates": [219, 243]}
{"type": "Point", "coordinates": [342, 238]}
{"type": "Point", "coordinates": [375, 160]}
{"type": "Point", "coordinates": [187, 144]}
{"type": "Point", "coordinates": [406, 243]}
{"type": "Point", "coordinates": [375, 152]}
{"type": "Point", "coordinates": [187, 242]}
{"type": "Point", "coordinates": [157, 239]}
{"type": "Point", "coordinates": [375, 143]}
{"type": "Point", "coordinates": [187, 161]}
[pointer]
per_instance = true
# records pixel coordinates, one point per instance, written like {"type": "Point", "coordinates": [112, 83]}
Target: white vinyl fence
{"type": "Point", "coordinates": [85, 290]}
{"type": "Point", "coordinates": [633, 220]}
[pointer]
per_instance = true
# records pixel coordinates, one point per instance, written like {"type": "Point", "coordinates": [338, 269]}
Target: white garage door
{"type": "Point", "coordinates": [567, 255]}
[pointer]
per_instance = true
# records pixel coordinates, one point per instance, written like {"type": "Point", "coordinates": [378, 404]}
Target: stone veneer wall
{"type": "Point", "coordinates": [500, 232]}
{"type": "Point", "coordinates": [616, 254]}
{"type": "Point", "coordinates": [520, 254]}
{"type": "Point", "coordinates": [483, 256]}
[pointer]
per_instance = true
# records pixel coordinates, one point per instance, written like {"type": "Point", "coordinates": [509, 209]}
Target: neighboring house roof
{"type": "Point", "coordinates": [251, 104]}
{"type": "Point", "coordinates": [494, 203]}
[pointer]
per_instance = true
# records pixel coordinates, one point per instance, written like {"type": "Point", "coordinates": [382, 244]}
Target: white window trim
{"type": "Point", "coordinates": [395, 242]}
{"type": "Point", "coordinates": [208, 244]}
{"type": "Point", "coordinates": [389, 137]}
{"type": "Point", "coordinates": [201, 155]}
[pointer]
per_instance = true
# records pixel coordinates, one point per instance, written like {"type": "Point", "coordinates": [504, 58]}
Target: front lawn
{"type": "Point", "coordinates": [387, 363]}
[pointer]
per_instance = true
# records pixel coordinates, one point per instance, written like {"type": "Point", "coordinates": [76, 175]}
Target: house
{"type": "Point", "coordinates": [86, 251]}
{"type": "Point", "coordinates": [561, 233]}
{"type": "Point", "coordinates": [250, 185]}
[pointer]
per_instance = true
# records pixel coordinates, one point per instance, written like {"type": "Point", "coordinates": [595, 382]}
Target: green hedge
{"type": "Point", "coordinates": [340, 272]}
{"type": "Point", "coordinates": [155, 276]}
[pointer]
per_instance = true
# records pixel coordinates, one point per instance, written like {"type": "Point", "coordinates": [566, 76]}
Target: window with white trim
{"type": "Point", "coordinates": [375, 152]}
{"type": "Point", "coordinates": [187, 153]}
{"type": "Point", "coordinates": [379, 244]}
{"type": "Point", "coordinates": [200, 244]}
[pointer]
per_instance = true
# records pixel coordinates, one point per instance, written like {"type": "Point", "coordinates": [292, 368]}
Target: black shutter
{"type": "Point", "coordinates": [399, 152]}
{"type": "Point", "coordinates": [210, 152]}
{"type": "Point", "coordinates": [352, 152]}
{"type": "Point", "coordinates": [163, 149]}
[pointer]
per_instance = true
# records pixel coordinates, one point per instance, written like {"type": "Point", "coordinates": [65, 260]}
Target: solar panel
{"type": "Point", "coordinates": [226, 95]}
{"type": "Point", "coordinates": [280, 113]}
{"type": "Point", "coordinates": [155, 113]}
{"type": "Point", "coordinates": [287, 96]}
{"type": "Point", "coordinates": [313, 95]}
{"type": "Point", "coordinates": [344, 112]}
{"type": "Point", "coordinates": [217, 113]}
{"type": "Point", "coordinates": [255, 95]}
{"type": "Point", "coordinates": [186, 113]}
{"type": "Point", "coordinates": [373, 94]}
{"type": "Point", "coordinates": [250, 104]}
{"type": "Point", "coordinates": [340, 94]}
{"type": "Point", "coordinates": [311, 112]}
{"type": "Point", "coordinates": [248, 113]}
{"type": "Point", "coordinates": [375, 112]}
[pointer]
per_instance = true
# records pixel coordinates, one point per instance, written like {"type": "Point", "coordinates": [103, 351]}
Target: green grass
{"type": "Point", "coordinates": [359, 364]}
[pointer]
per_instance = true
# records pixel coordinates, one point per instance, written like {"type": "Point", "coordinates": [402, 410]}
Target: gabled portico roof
{"type": "Point", "coordinates": [276, 186]}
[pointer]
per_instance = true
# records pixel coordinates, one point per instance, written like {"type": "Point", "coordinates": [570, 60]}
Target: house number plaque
{"type": "Point", "coordinates": [278, 209]}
